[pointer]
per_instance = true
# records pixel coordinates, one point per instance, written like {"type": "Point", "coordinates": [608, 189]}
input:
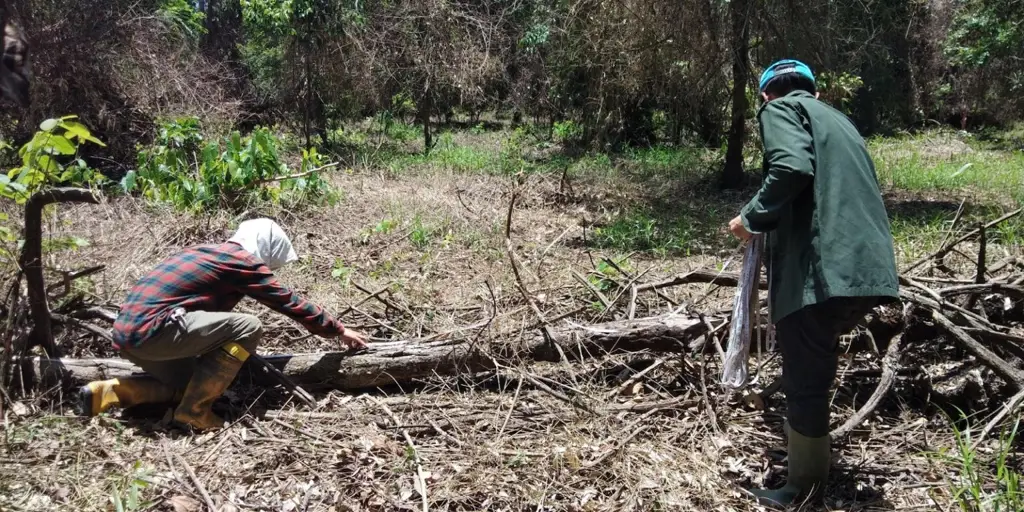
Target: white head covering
{"type": "Point", "coordinates": [267, 241]}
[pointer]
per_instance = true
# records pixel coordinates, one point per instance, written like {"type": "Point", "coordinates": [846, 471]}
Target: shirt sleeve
{"type": "Point", "coordinates": [789, 157]}
{"type": "Point", "coordinates": [256, 280]}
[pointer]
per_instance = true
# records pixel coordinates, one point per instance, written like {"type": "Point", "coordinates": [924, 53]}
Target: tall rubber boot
{"type": "Point", "coordinates": [212, 376]}
{"type": "Point", "coordinates": [100, 396]}
{"type": "Point", "coordinates": [809, 462]}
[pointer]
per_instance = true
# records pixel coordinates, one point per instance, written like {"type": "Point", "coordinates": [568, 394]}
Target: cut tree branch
{"type": "Point", "coordinates": [951, 245]}
{"type": "Point", "coordinates": [699, 276]}
{"type": "Point", "coordinates": [1013, 376]}
{"type": "Point", "coordinates": [889, 363]}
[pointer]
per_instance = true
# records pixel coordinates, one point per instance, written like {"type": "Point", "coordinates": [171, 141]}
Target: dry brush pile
{"type": "Point", "coordinates": [594, 393]}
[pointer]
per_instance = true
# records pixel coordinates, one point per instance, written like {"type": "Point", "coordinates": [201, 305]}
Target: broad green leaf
{"type": "Point", "coordinates": [76, 129]}
{"type": "Point", "coordinates": [62, 145]}
{"type": "Point", "coordinates": [128, 182]}
{"type": "Point", "coordinates": [46, 164]}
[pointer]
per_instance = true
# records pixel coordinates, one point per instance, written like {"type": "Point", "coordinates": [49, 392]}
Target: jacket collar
{"type": "Point", "coordinates": [799, 93]}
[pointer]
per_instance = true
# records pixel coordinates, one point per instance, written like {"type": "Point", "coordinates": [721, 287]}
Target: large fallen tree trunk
{"type": "Point", "coordinates": [401, 362]}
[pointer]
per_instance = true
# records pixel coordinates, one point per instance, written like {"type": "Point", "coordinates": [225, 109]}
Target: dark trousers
{"type": "Point", "coordinates": [809, 341]}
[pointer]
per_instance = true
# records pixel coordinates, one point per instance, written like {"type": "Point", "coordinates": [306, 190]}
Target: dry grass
{"type": "Point", "coordinates": [483, 442]}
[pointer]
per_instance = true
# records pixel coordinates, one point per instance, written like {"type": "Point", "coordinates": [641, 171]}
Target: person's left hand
{"type": "Point", "coordinates": [738, 230]}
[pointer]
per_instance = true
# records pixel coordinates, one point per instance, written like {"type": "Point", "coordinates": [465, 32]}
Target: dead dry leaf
{"type": "Point", "coordinates": [183, 504]}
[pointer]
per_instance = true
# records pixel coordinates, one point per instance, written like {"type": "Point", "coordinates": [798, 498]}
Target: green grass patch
{"type": "Point", "coordinates": [667, 161]}
{"type": "Point", "coordinates": [942, 161]}
{"type": "Point", "coordinates": [919, 228]}
{"type": "Point", "coordinates": [639, 231]}
{"type": "Point", "coordinates": [993, 484]}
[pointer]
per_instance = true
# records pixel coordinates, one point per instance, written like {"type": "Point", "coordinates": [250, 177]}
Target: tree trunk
{"type": "Point", "coordinates": [425, 110]}
{"type": "Point", "coordinates": [732, 175]}
{"type": "Point", "coordinates": [31, 260]}
{"type": "Point", "coordinates": [402, 362]}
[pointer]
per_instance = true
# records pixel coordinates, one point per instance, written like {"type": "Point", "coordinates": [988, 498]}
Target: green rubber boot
{"type": "Point", "coordinates": [809, 462]}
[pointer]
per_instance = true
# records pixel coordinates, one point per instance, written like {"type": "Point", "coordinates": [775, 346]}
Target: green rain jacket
{"type": "Point", "coordinates": [821, 206]}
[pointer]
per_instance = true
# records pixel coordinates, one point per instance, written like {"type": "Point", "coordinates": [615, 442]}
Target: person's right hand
{"type": "Point", "coordinates": [352, 340]}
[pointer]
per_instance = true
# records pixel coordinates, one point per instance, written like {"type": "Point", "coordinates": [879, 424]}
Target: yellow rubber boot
{"type": "Point", "coordinates": [102, 395]}
{"type": "Point", "coordinates": [212, 376]}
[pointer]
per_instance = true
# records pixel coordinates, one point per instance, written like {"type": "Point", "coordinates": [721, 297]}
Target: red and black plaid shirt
{"type": "Point", "coordinates": [210, 278]}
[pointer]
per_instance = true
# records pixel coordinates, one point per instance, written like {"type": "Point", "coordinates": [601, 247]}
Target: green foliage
{"type": "Point", "coordinates": [420, 235]}
{"type": "Point", "coordinates": [983, 486]}
{"type": "Point", "coordinates": [838, 89]}
{"type": "Point", "coordinates": [403, 132]}
{"type": "Point", "coordinates": [535, 37]}
{"type": "Point", "coordinates": [184, 18]}
{"type": "Point", "coordinates": [944, 161]}
{"type": "Point", "coordinates": [341, 272]}
{"type": "Point", "coordinates": [511, 156]}
{"type": "Point", "coordinates": [638, 231]}
{"type": "Point", "coordinates": [985, 30]}
{"type": "Point", "coordinates": [383, 227]}
{"type": "Point", "coordinates": [51, 158]}
{"type": "Point", "coordinates": [606, 274]}
{"type": "Point", "coordinates": [568, 132]}
{"type": "Point", "coordinates": [126, 490]}
{"type": "Point", "coordinates": [181, 170]}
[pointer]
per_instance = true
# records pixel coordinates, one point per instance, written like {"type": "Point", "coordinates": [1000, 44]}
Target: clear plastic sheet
{"type": "Point", "coordinates": [745, 307]}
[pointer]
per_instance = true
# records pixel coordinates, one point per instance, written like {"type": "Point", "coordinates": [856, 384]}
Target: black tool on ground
{"type": "Point", "coordinates": [288, 383]}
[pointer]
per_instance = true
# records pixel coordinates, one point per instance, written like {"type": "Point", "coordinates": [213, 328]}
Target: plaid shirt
{"type": "Point", "coordinates": [210, 278]}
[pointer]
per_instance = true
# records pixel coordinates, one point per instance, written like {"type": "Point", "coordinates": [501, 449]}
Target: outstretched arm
{"type": "Point", "coordinates": [262, 285]}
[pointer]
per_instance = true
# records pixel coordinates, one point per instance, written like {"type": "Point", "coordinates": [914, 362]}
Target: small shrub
{"type": "Point", "coordinates": [51, 158]}
{"type": "Point", "coordinates": [341, 272]}
{"type": "Point", "coordinates": [511, 157]}
{"type": "Point", "coordinates": [420, 234]}
{"type": "Point", "coordinates": [181, 170]}
{"type": "Point", "coordinates": [383, 227]}
{"type": "Point", "coordinates": [568, 133]}
{"type": "Point", "coordinates": [184, 17]}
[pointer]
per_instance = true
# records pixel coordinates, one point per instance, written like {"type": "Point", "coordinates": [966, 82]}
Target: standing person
{"type": "Point", "coordinates": [177, 324]}
{"type": "Point", "coordinates": [830, 255]}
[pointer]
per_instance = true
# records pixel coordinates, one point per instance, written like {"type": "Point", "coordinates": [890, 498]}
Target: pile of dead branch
{"type": "Point", "coordinates": [950, 334]}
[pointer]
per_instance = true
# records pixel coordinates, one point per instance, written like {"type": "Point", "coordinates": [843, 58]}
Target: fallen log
{"type": "Point", "coordinates": [402, 362]}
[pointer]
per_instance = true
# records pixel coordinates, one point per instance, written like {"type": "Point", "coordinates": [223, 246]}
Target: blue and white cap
{"type": "Point", "coordinates": [784, 67]}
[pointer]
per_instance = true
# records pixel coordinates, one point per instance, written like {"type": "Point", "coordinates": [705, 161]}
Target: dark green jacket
{"type": "Point", "coordinates": [820, 203]}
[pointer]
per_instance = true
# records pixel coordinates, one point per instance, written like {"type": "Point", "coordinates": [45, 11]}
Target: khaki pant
{"type": "Point", "coordinates": [170, 355]}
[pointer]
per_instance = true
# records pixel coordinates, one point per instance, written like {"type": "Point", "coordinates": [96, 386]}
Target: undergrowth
{"type": "Point", "coordinates": [983, 485]}
{"type": "Point", "coordinates": [185, 170]}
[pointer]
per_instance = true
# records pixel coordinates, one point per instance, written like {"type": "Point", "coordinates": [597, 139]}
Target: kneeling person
{"type": "Point", "coordinates": [177, 324]}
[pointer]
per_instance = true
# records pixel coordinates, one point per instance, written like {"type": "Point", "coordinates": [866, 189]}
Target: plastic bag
{"type": "Point", "coordinates": [737, 354]}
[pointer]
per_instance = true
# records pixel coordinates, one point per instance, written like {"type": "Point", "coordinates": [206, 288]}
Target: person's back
{"type": "Point", "coordinates": [831, 256]}
{"type": "Point", "coordinates": [833, 239]}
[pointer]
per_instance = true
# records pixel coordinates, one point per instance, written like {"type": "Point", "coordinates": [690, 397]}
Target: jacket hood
{"type": "Point", "coordinates": [266, 240]}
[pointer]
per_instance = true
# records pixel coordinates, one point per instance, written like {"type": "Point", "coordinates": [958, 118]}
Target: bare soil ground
{"type": "Point", "coordinates": [672, 440]}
